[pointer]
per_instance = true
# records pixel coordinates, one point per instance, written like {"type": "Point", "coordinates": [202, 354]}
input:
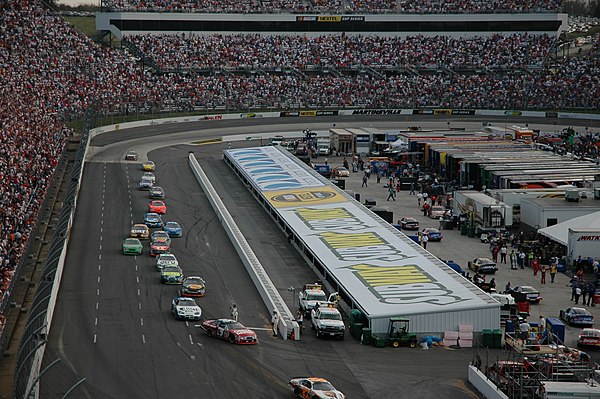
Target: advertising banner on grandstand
{"type": "Point", "coordinates": [330, 18]}
{"type": "Point", "coordinates": [443, 111]}
{"type": "Point", "coordinates": [379, 267]}
{"type": "Point", "coordinates": [286, 114]}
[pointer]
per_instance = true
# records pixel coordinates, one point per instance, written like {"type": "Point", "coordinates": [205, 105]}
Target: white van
{"type": "Point", "coordinates": [572, 390]}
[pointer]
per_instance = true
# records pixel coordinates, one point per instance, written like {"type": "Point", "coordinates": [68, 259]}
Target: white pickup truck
{"type": "Point", "coordinates": [311, 294]}
{"type": "Point", "coordinates": [327, 321]}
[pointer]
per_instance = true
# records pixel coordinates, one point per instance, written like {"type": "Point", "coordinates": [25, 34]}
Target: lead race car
{"type": "Point", "coordinates": [314, 388]}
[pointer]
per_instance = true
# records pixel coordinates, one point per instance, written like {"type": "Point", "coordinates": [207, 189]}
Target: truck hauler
{"type": "Point", "coordinates": [311, 294]}
{"type": "Point", "coordinates": [326, 320]}
{"type": "Point", "coordinates": [323, 146]}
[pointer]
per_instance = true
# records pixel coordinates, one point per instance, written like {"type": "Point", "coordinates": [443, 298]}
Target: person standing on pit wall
{"type": "Point", "coordinates": [543, 271]}
{"type": "Point", "coordinates": [275, 322]}
{"type": "Point", "coordinates": [503, 252]}
{"type": "Point", "coordinates": [552, 271]}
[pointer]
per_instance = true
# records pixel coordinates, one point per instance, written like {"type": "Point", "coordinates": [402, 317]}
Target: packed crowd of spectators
{"type": "Point", "coordinates": [338, 6]}
{"type": "Point", "coordinates": [192, 52]}
{"type": "Point", "coordinates": [51, 73]}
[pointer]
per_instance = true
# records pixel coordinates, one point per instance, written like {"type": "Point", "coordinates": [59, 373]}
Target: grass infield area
{"type": "Point", "coordinates": [87, 25]}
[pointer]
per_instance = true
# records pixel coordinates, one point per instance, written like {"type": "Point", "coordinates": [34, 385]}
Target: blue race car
{"type": "Point", "coordinates": [153, 220]}
{"type": "Point", "coordinates": [432, 234]}
{"type": "Point", "coordinates": [173, 229]}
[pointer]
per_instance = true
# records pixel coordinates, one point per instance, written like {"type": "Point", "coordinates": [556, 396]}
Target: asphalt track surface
{"type": "Point", "coordinates": [112, 322]}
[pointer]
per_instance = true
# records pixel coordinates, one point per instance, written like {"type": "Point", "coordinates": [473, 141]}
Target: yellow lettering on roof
{"type": "Point", "coordinates": [346, 240]}
{"type": "Point", "coordinates": [377, 276]}
{"type": "Point", "coordinates": [309, 214]}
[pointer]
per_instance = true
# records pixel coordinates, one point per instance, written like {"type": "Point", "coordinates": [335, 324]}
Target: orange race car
{"type": "Point", "coordinates": [314, 388]}
{"type": "Point", "coordinates": [157, 207]}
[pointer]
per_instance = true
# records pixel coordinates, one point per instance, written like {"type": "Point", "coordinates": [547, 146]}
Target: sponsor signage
{"type": "Point", "coordinates": [330, 18]}
{"type": "Point", "coordinates": [589, 238]}
{"type": "Point", "coordinates": [307, 113]}
{"type": "Point", "coordinates": [443, 111]}
{"type": "Point", "coordinates": [513, 113]}
{"type": "Point", "coordinates": [376, 111]}
{"type": "Point", "coordinates": [383, 270]}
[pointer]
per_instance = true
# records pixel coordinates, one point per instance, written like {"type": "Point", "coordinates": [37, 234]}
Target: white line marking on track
{"type": "Point", "coordinates": [99, 267]}
{"type": "Point", "coordinates": [136, 267]}
{"type": "Point", "coordinates": [98, 291]}
{"type": "Point", "coordinates": [143, 338]}
{"type": "Point", "coordinates": [141, 322]}
{"type": "Point", "coordinates": [96, 305]}
{"type": "Point", "coordinates": [99, 256]}
{"type": "Point", "coordinates": [138, 292]}
{"type": "Point", "coordinates": [139, 305]}
{"type": "Point", "coordinates": [103, 209]}
{"type": "Point", "coordinates": [137, 279]}
{"type": "Point", "coordinates": [187, 324]}
{"type": "Point", "coordinates": [101, 221]}
{"type": "Point", "coordinates": [96, 321]}
{"type": "Point", "coordinates": [100, 247]}
{"type": "Point", "coordinates": [101, 229]}
{"type": "Point", "coordinates": [102, 215]}
{"type": "Point", "coordinates": [98, 279]}
{"type": "Point", "coordinates": [94, 338]}
{"type": "Point", "coordinates": [191, 341]}
{"type": "Point", "coordinates": [100, 239]}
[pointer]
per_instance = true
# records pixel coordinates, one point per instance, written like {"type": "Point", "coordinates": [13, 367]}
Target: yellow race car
{"type": "Point", "coordinates": [148, 166]}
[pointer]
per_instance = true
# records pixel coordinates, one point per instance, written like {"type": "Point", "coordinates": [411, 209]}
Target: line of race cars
{"type": "Point", "coordinates": [184, 306]}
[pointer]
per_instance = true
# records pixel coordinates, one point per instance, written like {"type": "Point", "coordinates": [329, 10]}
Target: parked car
{"type": "Point", "coordinates": [407, 223]}
{"type": "Point", "coordinates": [483, 265]}
{"type": "Point", "coordinates": [577, 317]}
{"type": "Point", "coordinates": [432, 234]}
{"type": "Point", "coordinates": [437, 211]}
{"type": "Point", "coordinates": [526, 293]}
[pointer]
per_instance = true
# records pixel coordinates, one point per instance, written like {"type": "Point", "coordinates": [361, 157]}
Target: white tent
{"type": "Point", "coordinates": [560, 232]}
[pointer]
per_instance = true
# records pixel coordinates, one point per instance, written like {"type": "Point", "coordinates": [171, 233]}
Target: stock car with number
{"type": "Point", "coordinates": [156, 192]}
{"type": "Point", "coordinates": [132, 246]}
{"type": "Point", "coordinates": [131, 156]}
{"type": "Point", "coordinates": [157, 206]}
{"type": "Point", "coordinates": [483, 265]}
{"type": "Point", "coordinates": [164, 260]}
{"type": "Point", "coordinates": [171, 275]}
{"type": "Point", "coordinates": [185, 309]}
{"type": "Point", "coordinates": [589, 337]}
{"type": "Point", "coordinates": [577, 317]}
{"type": "Point", "coordinates": [148, 166]}
{"type": "Point", "coordinates": [157, 248]}
{"type": "Point", "coordinates": [230, 330]}
{"type": "Point", "coordinates": [407, 223]}
{"type": "Point", "coordinates": [140, 231]}
{"type": "Point", "coordinates": [153, 220]}
{"type": "Point", "coordinates": [146, 184]}
{"type": "Point", "coordinates": [149, 176]}
{"type": "Point", "coordinates": [314, 388]}
{"type": "Point", "coordinates": [160, 236]}
{"type": "Point", "coordinates": [526, 293]}
{"type": "Point", "coordinates": [193, 286]}
{"type": "Point", "coordinates": [173, 229]}
{"type": "Point", "coordinates": [432, 234]}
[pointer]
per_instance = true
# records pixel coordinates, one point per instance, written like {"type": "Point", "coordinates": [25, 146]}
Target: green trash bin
{"type": "Point", "coordinates": [471, 231]}
{"type": "Point", "coordinates": [497, 338]}
{"type": "Point", "coordinates": [378, 341]}
{"type": "Point", "coordinates": [356, 330]}
{"type": "Point", "coordinates": [365, 338]}
{"type": "Point", "coordinates": [356, 316]}
{"type": "Point", "coordinates": [463, 229]}
{"type": "Point", "coordinates": [487, 338]}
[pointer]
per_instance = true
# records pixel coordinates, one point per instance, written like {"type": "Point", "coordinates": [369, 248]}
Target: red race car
{"type": "Point", "coordinates": [157, 207]}
{"type": "Point", "coordinates": [157, 248]}
{"type": "Point", "coordinates": [230, 330]}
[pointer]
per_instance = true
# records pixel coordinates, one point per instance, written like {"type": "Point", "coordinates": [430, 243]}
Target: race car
{"type": "Point", "coordinates": [146, 184]}
{"type": "Point", "coordinates": [193, 286]}
{"type": "Point", "coordinates": [577, 317]}
{"type": "Point", "coordinates": [148, 166]}
{"type": "Point", "coordinates": [149, 176]}
{"type": "Point", "coordinates": [407, 223]}
{"type": "Point", "coordinates": [589, 337]}
{"type": "Point", "coordinates": [483, 265]}
{"type": "Point", "coordinates": [340, 171]}
{"type": "Point", "coordinates": [165, 260]}
{"type": "Point", "coordinates": [131, 156]}
{"type": "Point", "coordinates": [230, 330]}
{"type": "Point", "coordinates": [437, 211]}
{"type": "Point", "coordinates": [526, 293]}
{"type": "Point", "coordinates": [185, 309]}
{"type": "Point", "coordinates": [171, 275]}
{"type": "Point", "coordinates": [160, 236]}
{"type": "Point", "coordinates": [157, 248]}
{"type": "Point", "coordinates": [140, 231]}
{"type": "Point", "coordinates": [314, 388]}
{"type": "Point", "coordinates": [157, 206]}
{"type": "Point", "coordinates": [432, 234]}
{"type": "Point", "coordinates": [156, 192]}
{"type": "Point", "coordinates": [152, 220]}
{"type": "Point", "coordinates": [173, 229]}
{"type": "Point", "coordinates": [132, 246]}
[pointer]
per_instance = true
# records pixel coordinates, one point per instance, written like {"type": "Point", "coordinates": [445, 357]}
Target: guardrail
{"type": "Point", "coordinates": [264, 285]}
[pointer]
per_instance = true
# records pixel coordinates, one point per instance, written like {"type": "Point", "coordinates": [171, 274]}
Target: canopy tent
{"type": "Point", "coordinates": [399, 143]}
{"type": "Point", "coordinates": [560, 232]}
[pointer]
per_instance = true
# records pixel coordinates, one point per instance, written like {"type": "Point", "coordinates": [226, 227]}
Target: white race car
{"type": "Point", "coordinates": [314, 388]}
{"type": "Point", "coordinates": [164, 260]}
{"type": "Point", "coordinates": [185, 309]}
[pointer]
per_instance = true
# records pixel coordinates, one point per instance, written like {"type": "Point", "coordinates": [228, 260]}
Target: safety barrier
{"type": "Point", "coordinates": [264, 285]}
{"type": "Point", "coordinates": [486, 387]}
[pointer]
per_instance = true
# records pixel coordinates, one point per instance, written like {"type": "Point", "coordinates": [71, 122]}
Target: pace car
{"type": "Point", "coordinates": [156, 192]}
{"type": "Point", "coordinates": [577, 317]}
{"type": "Point", "coordinates": [131, 156]}
{"type": "Point", "coordinates": [185, 309]}
{"type": "Point", "coordinates": [149, 176]}
{"type": "Point", "coordinates": [173, 229]}
{"type": "Point", "coordinates": [160, 236]}
{"type": "Point", "coordinates": [230, 330]}
{"type": "Point", "coordinates": [193, 286]}
{"type": "Point", "coordinates": [407, 223]}
{"type": "Point", "coordinates": [171, 275]}
{"type": "Point", "coordinates": [165, 260]}
{"type": "Point", "coordinates": [314, 388]}
{"type": "Point", "coordinates": [132, 246]}
{"type": "Point", "coordinates": [152, 220]}
{"type": "Point", "coordinates": [157, 206]}
{"type": "Point", "coordinates": [483, 265]}
{"type": "Point", "coordinates": [432, 234]}
{"type": "Point", "coordinates": [148, 166]}
{"type": "Point", "coordinates": [140, 231]}
{"type": "Point", "coordinates": [146, 184]}
{"type": "Point", "coordinates": [157, 248]}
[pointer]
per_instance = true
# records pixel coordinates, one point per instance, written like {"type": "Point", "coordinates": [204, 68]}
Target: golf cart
{"type": "Point", "coordinates": [398, 334]}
